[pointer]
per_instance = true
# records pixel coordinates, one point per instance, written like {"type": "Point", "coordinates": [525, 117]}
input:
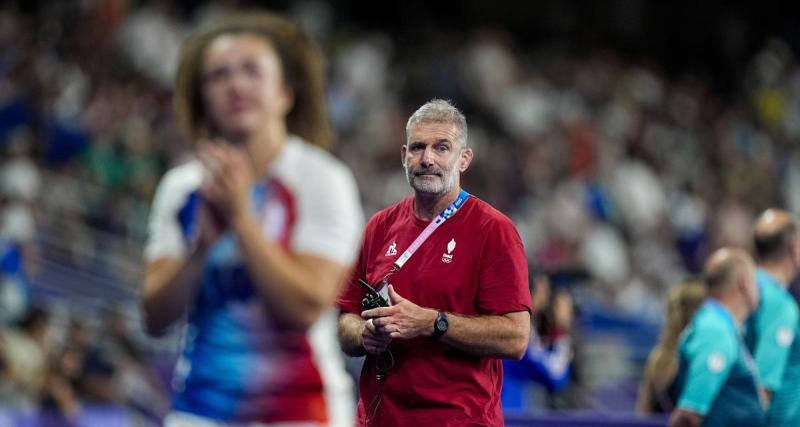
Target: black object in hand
{"type": "Point", "coordinates": [372, 299]}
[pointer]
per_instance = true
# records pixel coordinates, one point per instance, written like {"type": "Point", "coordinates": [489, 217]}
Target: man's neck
{"type": "Point", "coordinates": [427, 206]}
{"type": "Point", "coordinates": [782, 271]}
{"type": "Point", "coordinates": [737, 310]}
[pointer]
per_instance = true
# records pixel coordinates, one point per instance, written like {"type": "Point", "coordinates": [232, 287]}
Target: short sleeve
{"type": "Point", "coordinates": [350, 298]}
{"type": "Point", "coordinates": [503, 277]}
{"type": "Point", "coordinates": [776, 332]}
{"type": "Point", "coordinates": [330, 215]}
{"type": "Point", "coordinates": [711, 354]}
{"type": "Point", "coordinates": [165, 235]}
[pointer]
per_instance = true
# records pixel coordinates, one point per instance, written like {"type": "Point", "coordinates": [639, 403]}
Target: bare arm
{"type": "Point", "coordinates": [358, 337]}
{"type": "Point", "coordinates": [171, 282]}
{"type": "Point", "coordinates": [502, 336]}
{"type": "Point", "coordinates": [684, 418]}
{"type": "Point", "coordinates": [644, 398]}
{"type": "Point", "coordinates": [169, 285]}
{"type": "Point", "coordinates": [296, 288]}
{"type": "Point", "coordinates": [351, 327]}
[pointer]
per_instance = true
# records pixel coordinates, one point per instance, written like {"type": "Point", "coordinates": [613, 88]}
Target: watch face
{"type": "Point", "coordinates": [441, 324]}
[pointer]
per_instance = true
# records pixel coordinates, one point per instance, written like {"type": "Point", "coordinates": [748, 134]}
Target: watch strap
{"type": "Point", "coordinates": [440, 326]}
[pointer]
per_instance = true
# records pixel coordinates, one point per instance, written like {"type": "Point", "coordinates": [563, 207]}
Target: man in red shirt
{"type": "Point", "coordinates": [455, 274]}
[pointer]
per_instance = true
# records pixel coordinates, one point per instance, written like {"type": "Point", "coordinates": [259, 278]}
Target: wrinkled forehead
{"type": "Point", "coordinates": [433, 131]}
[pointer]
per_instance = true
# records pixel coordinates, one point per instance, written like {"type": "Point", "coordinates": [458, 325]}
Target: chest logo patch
{"type": "Point", "coordinates": [716, 362]}
{"type": "Point", "coordinates": [392, 251]}
{"type": "Point", "coordinates": [448, 256]}
{"type": "Point", "coordinates": [785, 336]}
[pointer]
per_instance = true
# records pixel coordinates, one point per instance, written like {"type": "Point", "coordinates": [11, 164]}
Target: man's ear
{"type": "Point", "coordinates": [466, 159]}
{"type": "Point", "coordinates": [403, 150]}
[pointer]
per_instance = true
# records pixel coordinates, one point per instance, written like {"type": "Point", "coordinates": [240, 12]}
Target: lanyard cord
{"type": "Point", "coordinates": [380, 365]}
{"type": "Point", "coordinates": [446, 214]}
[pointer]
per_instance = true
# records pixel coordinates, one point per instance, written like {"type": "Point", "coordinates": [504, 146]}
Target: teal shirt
{"type": "Point", "coordinates": [716, 376]}
{"type": "Point", "coordinates": [771, 337]}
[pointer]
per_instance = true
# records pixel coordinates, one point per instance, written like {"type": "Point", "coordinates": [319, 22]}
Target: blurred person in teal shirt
{"type": "Point", "coordinates": [771, 331]}
{"type": "Point", "coordinates": [717, 383]}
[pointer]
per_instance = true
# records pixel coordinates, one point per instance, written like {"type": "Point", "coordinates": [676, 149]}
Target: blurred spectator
{"type": "Point", "coordinates": [14, 286]}
{"type": "Point", "coordinates": [61, 395]}
{"type": "Point", "coordinates": [137, 383]}
{"type": "Point", "coordinates": [25, 353]}
{"type": "Point", "coordinates": [549, 355]}
{"type": "Point", "coordinates": [682, 302]}
{"type": "Point", "coordinates": [717, 383]}
{"type": "Point", "coordinates": [771, 332]}
{"type": "Point", "coordinates": [151, 37]}
{"type": "Point", "coordinates": [20, 186]}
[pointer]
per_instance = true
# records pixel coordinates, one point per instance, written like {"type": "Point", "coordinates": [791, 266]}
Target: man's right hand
{"type": "Point", "coordinates": [374, 340]}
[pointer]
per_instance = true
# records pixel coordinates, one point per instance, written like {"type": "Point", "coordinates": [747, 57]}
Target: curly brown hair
{"type": "Point", "coordinates": [303, 70]}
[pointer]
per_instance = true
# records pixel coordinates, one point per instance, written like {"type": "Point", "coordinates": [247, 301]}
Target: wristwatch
{"type": "Point", "coordinates": [440, 325]}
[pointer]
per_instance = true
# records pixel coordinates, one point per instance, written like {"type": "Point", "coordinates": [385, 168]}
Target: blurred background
{"type": "Point", "coordinates": [626, 139]}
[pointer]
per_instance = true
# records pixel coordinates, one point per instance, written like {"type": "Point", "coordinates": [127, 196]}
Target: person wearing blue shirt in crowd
{"type": "Point", "coordinates": [772, 330]}
{"type": "Point", "coordinates": [549, 355]}
{"type": "Point", "coordinates": [717, 383]}
{"type": "Point", "coordinates": [15, 291]}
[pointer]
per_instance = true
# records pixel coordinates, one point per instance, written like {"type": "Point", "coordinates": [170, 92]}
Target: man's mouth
{"type": "Point", "coordinates": [428, 173]}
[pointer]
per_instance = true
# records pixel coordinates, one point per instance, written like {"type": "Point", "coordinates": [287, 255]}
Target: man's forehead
{"type": "Point", "coordinates": [433, 130]}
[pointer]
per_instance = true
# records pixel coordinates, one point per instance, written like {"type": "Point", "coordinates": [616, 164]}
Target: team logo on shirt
{"type": "Point", "coordinates": [784, 336]}
{"type": "Point", "coordinates": [716, 362]}
{"type": "Point", "coordinates": [392, 251]}
{"type": "Point", "coordinates": [448, 257]}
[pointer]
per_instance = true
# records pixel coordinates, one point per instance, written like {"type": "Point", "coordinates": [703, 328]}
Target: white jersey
{"type": "Point", "coordinates": [237, 364]}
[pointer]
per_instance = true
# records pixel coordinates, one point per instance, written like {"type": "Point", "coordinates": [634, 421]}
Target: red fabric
{"type": "Point", "coordinates": [430, 382]}
{"type": "Point", "coordinates": [284, 196]}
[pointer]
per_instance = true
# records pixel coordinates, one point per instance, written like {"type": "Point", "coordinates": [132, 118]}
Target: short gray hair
{"type": "Point", "coordinates": [440, 111]}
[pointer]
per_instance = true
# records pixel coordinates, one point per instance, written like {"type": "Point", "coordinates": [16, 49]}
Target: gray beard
{"type": "Point", "coordinates": [446, 183]}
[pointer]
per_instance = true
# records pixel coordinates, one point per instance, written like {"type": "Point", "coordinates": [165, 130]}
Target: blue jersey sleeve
{"type": "Point", "coordinates": [710, 354]}
{"type": "Point", "coordinates": [774, 336]}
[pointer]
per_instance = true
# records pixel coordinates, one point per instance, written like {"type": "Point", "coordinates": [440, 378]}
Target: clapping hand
{"type": "Point", "coordinates": [227, 184]}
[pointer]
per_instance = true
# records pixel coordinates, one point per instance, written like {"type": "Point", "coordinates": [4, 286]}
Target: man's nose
{"type": "Point", "coordinates": [427, 157]}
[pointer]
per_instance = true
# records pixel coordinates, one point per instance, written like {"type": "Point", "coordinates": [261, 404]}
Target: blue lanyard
{"type": "Point", "coordinates": [446, 214]}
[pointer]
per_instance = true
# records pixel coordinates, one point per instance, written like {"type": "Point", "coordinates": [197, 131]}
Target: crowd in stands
{"type": "Point", "coordinates": [608, 166]}
{"type": "Point", "coordinates": [62, 365]}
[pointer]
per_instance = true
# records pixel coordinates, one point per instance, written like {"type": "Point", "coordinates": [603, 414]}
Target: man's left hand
{"type": "Point", "coordinates": [403, 319]}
